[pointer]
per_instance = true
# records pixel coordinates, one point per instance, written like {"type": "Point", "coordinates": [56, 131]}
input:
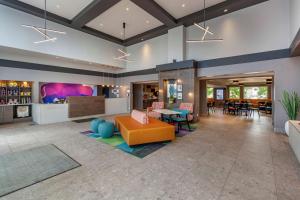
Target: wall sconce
{"type": "Point", "coordinates": [179, 80]}
{"type": "Point", "coordinates": [160, 91]}
{"type": "Point", "coordinates": [128, 92]}
{"type": "Point", "coordinates": [190, 94]}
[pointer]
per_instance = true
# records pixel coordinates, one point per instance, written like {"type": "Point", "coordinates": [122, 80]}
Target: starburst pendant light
{"type": "Point", "coordinates": [44, 30]}
{"type": "Point", "coordinates": [205, 29]}
{"type": "Point", "coordinates": [124, 56]}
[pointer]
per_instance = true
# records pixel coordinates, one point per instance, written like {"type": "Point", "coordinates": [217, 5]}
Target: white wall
{"type": "Point", "coordinates": [45, 59]}
{"type": "Point", "coordinates": [294, 18]}
{"type": "Point", "coordinates": [263, 27]}
{"type": "Point", "coordinates": [148, 54]}
{"type": "Point", "coordinates": [44, 76]}
{"type": "Point", "coordinates": [286, 78]}
{"type": "Point", "coordinates": [74, 45]}
{"type": "Point", "coordinates": [176, 44]}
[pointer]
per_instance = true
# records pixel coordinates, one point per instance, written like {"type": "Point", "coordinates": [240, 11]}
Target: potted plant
{"type": "Point", "coordinates": [291, 105]}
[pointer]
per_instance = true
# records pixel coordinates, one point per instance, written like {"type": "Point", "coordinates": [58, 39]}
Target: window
{"type": "Point", "coordinates": [210, 93]}
{"type": "Point", "coordinates": [234, 92]}
{"type": "Point", "coordinates": [258, 92]}
{"type": "Point", "coordinates": [220, 94]}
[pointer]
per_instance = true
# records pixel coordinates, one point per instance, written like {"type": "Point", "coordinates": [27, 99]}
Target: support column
{"type": "Point", "coordinates": [203, 97]}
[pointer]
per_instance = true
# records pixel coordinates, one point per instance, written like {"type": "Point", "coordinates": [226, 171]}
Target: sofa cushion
{"type": "Point", "coordinates": [139, 116]}
{"type": "Point", "coordinates": [157, 105]}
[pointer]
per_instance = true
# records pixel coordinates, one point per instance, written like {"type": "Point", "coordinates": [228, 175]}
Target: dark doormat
{"type": "Point", "coordinates": [19, 170]}
{"type": "Point", "coordinates": [83, 120]}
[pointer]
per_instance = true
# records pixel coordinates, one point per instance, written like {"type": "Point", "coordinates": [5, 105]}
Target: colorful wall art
{"type": "Point", "coordinates": [58, 92]}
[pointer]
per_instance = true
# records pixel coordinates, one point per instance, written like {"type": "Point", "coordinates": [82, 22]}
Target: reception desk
{"type": "Point", "coordinates": [53, 113]}
{"type": "Point", "coordinates": [294, 137]}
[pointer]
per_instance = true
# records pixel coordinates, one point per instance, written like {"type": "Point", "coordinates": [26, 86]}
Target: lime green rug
{"type": "Point", "coordinates": [113, 141]}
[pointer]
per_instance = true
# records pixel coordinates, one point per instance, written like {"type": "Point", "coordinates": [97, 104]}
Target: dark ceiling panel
{"type": "Point", "coordinates": [93, 10]}
{"type": "Point", "coordinates": [161, 30]}
{"type": "Point", "coordinates": [156, 11]}
{"type": "Point", "coordinates": [18, 5]}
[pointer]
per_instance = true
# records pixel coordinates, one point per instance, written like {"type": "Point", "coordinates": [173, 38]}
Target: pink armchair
{"type": "Point", "coordinates": [155, 105]}
{"type": "Point", "coordinates": [189, 107]}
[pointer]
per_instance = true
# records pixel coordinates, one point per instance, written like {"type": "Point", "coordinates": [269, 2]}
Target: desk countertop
{"type": "Point", "coordinates": [296, 124]}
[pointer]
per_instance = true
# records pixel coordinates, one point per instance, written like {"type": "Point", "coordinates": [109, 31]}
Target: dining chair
{"type": "Point", "coordinates": [185, 116]}
{"type": "Point", "coordinates": [244, 108]}
{"type": "Point", "coordinates": [155, 105]}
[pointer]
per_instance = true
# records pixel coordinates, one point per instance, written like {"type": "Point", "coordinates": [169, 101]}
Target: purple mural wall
{"type": "Point", "coordinates": [55, 92]}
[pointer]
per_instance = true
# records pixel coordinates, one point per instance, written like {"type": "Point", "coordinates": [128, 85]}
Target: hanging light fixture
{"type": "Point", "coordinates": [117, 85]}
{"type": "Point", "coordinates": [124, 56]}
{"type": "Point", "coordinates": [107, 81]}
{"type": "Point", "coordinates": [205, 29]}
{"type": "Point", "coordinates": [44, 30]}
{"type": "Point", "coordinates": [121, 82]}
{"type": "Point", "coordinates": [103, 85]}
{"type": "Point", "coordinates": [112, 85]}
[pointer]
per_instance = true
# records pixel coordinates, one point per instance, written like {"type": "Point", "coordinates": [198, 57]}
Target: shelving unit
{"type": "Point", "coordinates": [15, 100]}
{"type": "Point", "coordinates": [3, 92]}
{"type": "Point", "coordinates": [15, 92]}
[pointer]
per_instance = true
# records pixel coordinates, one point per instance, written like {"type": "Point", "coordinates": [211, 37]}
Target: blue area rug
{"type": "Point", "coordinates": [141, 151]}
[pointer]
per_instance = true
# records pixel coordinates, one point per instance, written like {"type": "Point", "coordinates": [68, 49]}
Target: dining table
{"type": "Point", "coordinates": [166, 112]}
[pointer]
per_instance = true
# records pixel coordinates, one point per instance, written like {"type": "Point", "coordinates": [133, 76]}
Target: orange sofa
{"type": "Point", "coordinates": [135, 133]}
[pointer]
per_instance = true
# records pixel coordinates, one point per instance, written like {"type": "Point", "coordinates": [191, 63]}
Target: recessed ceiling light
{"type": "Point", "coordinates": [100, 24]}
{"type": "Point", "coordinates": [183, 5]}
{"type": "Point", "coordinates": [147, 21]}
{"type": "Point", "coordinates": [226, 10]}
{"type": "Point", "coordinates": [127, 9]}
{"type": "Point", "coordinates": [142, 39]}
{"type": "Point", "coordinates": [58, 6]}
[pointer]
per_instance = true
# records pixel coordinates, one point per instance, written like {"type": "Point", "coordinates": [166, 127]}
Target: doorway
{"type": "Point", "coordinates": [144, 94]}
{"type": "Point", "coordinates": [238, 96]}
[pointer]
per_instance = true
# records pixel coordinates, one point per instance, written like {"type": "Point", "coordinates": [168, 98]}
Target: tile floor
{"type": "Point", "coordinates": [227, 158]}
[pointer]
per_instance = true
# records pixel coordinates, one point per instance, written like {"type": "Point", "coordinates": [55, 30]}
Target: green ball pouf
{"type": "Point", "coordinates": [95, 123]}
{"type": "Point", "coordinates": [106, 129]}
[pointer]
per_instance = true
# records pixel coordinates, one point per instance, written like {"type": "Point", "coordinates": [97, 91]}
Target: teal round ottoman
{"type": "Point", "coordinates": [106, 129]}
{"type": "Point", "coordinates": [95, 123]}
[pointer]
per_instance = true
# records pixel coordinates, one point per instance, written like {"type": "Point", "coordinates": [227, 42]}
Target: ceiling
{"type": "Point", "coordinates": [137, 20]}
{"type": "Point", "coordinates": [64, 8]}
{"type": "Point", "coordinates": [245, 81]}
{"type": "Point", "coordinates": [144, 19]}
{"type": "Point", "coordinates": [181, 8]}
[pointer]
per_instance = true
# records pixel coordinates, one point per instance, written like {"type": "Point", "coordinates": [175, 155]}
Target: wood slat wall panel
{"type": "Point", "coordinates": [85, 106]}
